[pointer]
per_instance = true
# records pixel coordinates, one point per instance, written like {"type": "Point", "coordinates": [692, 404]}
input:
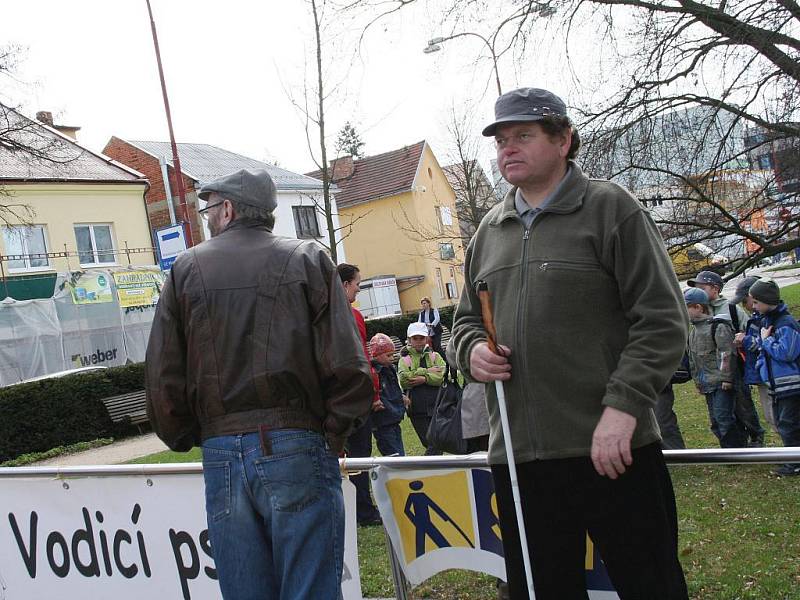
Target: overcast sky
{"type": "Point", "coordinates": [231, 67]}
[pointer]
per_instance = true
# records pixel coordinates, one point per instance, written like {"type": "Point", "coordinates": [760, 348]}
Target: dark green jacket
{"type": "Point", "coordinates": [589, 304]}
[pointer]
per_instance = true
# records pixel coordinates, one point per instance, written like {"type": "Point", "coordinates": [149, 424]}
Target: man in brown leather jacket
{"type": "Point", "coordinates": [253, 355]}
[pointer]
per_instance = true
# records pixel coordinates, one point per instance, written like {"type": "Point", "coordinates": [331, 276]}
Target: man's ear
{"type": "Point", "coordinates": [566, 143]}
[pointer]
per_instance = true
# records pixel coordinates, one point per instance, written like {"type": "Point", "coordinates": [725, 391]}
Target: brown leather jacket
{"type": "Point", "coordinates": [253, 329]}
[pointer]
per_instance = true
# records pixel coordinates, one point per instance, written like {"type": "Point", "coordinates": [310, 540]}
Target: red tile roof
{"type": "Point", "coordinates": [378, 176]}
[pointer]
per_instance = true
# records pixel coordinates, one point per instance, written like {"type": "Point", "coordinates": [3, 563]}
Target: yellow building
{"type": "Point", "coordinates": [398, 214]}
{"type": "Point", "coordinates": [65, 208]}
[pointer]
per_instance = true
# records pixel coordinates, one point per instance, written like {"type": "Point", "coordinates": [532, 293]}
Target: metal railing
{"type": "Point", "coordinates": [702, 456]}
{"type": "Point", "coordinates": [67, 254]}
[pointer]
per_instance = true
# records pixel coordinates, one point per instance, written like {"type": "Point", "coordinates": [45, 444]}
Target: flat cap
{"type": "Point", "coordinates": [253, 187]}
{"type": "Point", "coordinates": [708, 277]}
{"type": "Point", "coordinates": [525, 104]}
{"type": "Point", "coordinates": [695, 296]}
{"type": "Point", "coordinates": [743, 287]}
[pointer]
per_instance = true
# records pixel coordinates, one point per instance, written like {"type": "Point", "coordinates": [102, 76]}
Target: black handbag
{"type": "Point", "coordinates": [444, 431]}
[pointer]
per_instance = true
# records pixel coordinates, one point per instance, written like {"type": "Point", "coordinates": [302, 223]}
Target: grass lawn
{"type": "Point", "coordinates": [739, 525]}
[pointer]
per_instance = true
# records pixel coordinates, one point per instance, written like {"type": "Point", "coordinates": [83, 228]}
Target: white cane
{"type": "Point", "coordinates": [488, 324]}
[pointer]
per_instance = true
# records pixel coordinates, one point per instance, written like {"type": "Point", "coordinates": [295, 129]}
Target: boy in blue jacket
{"type": "Point", "coordinates": [387, 415]}
{"type": "Point", "coordinates": [778, 362]}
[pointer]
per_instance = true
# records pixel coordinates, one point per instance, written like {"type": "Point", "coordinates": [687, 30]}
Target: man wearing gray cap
{"type": "Point", "coordinates": [589, 313]}
{"type": "Point", "coordinates": [253, 355]}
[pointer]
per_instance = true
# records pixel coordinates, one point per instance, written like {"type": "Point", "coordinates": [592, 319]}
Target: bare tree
{"type": "Point", "coordinates": [312, 106]}
{"type": "Point", "coordinates": [25, 146]}
{"type": "Point", "coordinates": [707, 90]}
{"type": "Point", "coordinates": [732, 66]}
{"type": "Point", "coordinates": [475, 194]}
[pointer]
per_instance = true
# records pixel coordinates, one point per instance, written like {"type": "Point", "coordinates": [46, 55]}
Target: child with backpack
{"type": "Point", "coordinates": [778, 362]}
{"type": "Point", "coordinates": [713, 367]}
{"type": "Point", "coordinates": [388, 413]}
{"type": "Point", "coordinates": [421, 372]}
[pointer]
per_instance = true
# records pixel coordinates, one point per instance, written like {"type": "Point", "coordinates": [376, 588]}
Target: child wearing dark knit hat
{"type": "Point", "coordinates": [779, 362]}
{"type": "Point", "coordinates": [766, 291]}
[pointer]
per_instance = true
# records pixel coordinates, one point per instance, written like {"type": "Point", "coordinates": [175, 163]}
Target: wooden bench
{"type": "Point", "coordinates": [129, 408]}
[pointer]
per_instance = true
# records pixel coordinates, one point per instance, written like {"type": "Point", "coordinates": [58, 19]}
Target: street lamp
{"type": "Point", "coordinates": [434, 46]}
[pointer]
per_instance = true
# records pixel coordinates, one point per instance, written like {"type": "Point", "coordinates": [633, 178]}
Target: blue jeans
{"type": "Point", "coordinates": [276, 518]}
{"type": "Point", "coordinates": [389, 439]}
{"type": "Point", "coordinates": [728, 429]}
{"type": "Point", "coordinates": [746, 411]}
{"type": "Point", "coordinates": [787, 420]}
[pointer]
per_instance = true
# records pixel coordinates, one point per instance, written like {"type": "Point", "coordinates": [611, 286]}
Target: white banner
{"type": "Point", "coordinates": [121, 537]}
{"type": "Point", "coordinates": [441, 519]}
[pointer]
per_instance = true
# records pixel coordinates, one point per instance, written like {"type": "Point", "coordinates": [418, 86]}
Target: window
{"type": "Point", "coordinates": [446, 216]}
{"type": "Point", "coordinates": [452, 288]}
{"type": "Point", "coordinates": [694, 254]}
{"type": "Point", "coordinates": [22, 240]}
{"type": "Point", "coordinates": [439, 284]}
{"type": "Point", "coordinates": [446, 251]}
{"type": "Point", "coordinates": [305, 221]}
{"type": "Point", "coordinates": [95, 245]}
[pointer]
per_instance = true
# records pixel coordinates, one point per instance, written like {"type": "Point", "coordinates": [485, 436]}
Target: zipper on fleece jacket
{"type": "Point", "coordinates": [521, 321]}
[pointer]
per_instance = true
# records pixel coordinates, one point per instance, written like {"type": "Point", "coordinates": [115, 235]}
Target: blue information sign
{"type": "Point", "coordinates": [170, 241]}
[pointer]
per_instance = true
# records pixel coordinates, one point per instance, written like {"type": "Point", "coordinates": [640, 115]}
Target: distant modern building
{"type": "Point", "coordinates": [656, 153]}
{"type": "Point", "coordinates": [299, 213]}
{"type": "Point", "coordinates": [780, 154]}
{"type": "Point", "coordinates": [65, 208]}
{"type": "Point", "coordinates": [400, 220]}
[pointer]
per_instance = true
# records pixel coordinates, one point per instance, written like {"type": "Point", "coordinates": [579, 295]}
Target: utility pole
{"type": "Point", "coordinates": [176, 161]}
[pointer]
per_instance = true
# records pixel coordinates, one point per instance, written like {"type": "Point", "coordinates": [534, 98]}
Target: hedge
{"type": "Point", "coordinates": [398, 324]}
{"type": "Point", "coordinates": [38, 416]}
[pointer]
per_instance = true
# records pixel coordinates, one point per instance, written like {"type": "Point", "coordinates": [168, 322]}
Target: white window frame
{"type": "Point", "coordinates": [446, 216]}
{"type": "Point", "coordinates": [91, 227]}
{"type": "Point", "coordinates": [439, 283]}
{"type": "Point", "coordinates": [28, 268]}
{"type": "Point", "coordinates": [453, 282]}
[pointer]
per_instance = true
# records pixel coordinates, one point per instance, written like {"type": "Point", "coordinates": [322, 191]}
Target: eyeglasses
{"type": "Point", "coordinates": [521, 139]}
{"type": "Point", "coordinates": [203, 211]}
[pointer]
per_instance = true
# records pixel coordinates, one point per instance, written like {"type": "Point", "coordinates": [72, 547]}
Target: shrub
{"type": "Point", "coordinates": [398, 324]}
{"type": "Point", "coordinates": [38, 416]}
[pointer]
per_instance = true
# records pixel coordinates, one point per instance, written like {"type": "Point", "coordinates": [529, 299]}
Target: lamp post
{"type": "Point", "coordinates": [434, 46]}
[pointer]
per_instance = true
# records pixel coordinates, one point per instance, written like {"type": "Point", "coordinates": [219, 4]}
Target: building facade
{"type": "Point", "coordinates": [399, 215]}
{"type": "Point", "coordinates": [64, 208]}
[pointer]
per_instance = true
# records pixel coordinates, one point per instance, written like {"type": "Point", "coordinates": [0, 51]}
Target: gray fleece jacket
{"type": "Point", "coordinates": [589, 304]}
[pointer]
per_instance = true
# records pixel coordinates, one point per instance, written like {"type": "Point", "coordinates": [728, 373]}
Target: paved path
{"type": "Point", "coordinates": [782, 278]}
{"type": "Point", "coordinates": [113, 454]}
